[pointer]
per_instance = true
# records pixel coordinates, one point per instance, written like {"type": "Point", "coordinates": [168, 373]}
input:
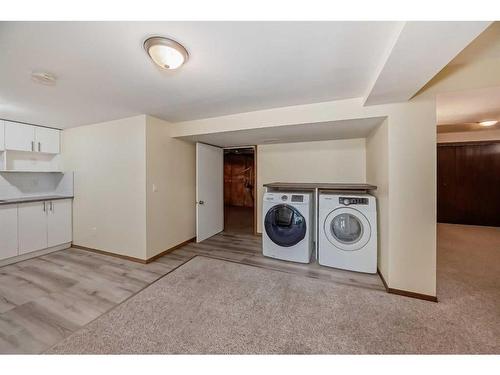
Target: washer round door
{"type": "Point", "coordinates": [285, 225]}
{"type": "Point", "coordinates": [347, 229]}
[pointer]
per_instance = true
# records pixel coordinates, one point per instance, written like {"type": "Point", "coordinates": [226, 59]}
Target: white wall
{"type": "Point", "coordinates": [377, 173]}
{"type": "Point", "coordinates": [27, 184]}
{"type": "Point", "coordinates": [470, 136]}
{"type": "Point", "coordinates": [322, 161]}
{"type": "Point", "coordinates": [109, 161]}
{"type": "Point", "coordinates": [170, 166]}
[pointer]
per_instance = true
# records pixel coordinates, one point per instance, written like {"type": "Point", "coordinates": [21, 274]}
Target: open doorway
{"type": "Point", "coordinates": [468, 198]}
{"type": "Point", "coordinates": [239, 190]}
{"type": "Point", "coordinates": [468, 157]}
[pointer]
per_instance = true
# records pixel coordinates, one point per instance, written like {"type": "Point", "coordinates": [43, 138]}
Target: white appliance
{"type": "Point", "coordinates": [348, 231]}
{"type": "Point", "coordinates": [288, 226]}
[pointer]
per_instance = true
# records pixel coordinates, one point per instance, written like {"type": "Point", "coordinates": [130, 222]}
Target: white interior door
{"type": "Point", "coordinates": [209, 191]}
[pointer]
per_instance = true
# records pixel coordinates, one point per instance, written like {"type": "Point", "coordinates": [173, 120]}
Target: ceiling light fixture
{"type": "Point", "coordinates": [166, 53]}
{"type": "Point", "coordinates": [488, 123]}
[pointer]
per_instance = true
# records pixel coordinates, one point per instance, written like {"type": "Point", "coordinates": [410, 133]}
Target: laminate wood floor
{"type": "Point", "coordinates": [45, 299]}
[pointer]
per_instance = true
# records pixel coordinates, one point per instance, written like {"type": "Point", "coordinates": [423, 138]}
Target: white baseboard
{"type": "Point", "coordinates": [34, 254]}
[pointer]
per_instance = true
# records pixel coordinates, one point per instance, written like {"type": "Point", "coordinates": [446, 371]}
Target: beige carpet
{"type": "Point", "coordinates": [215, 306]}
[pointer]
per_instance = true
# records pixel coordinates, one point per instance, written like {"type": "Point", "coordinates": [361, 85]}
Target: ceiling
{"type": "Point", "coordinates": [486, 46]}
{"type": "Point", "coordinates": [104, 74]}
{"type": "Point", "coordinates": [419, 52]}
{"type": "Point", "coordinates": [319, 131]}
{"type": "Point", "coordinates": [456, 109]}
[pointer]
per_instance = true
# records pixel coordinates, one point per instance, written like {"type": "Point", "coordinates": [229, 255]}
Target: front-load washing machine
{"type": "Point", "coordinates": [288, 226]}
{"type": "Point", "coordinates": [348, 231]}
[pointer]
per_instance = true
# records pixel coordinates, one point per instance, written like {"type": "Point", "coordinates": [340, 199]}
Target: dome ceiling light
{"type": "Point", "coordinates": [166, 53]}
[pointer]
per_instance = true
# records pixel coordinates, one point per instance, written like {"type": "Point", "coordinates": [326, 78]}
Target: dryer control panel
{"type": "Point", "coordinates": [346, 201]}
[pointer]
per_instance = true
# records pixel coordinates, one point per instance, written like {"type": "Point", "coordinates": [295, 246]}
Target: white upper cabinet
{"type": "Point", "coordinates": [47, 140]}
{"type": "Point", "coordinates": [23, 137]}
{"type": "Point", "coordinates": [19, 137]}
{"type": "Point", "coordinates": [2, 135]}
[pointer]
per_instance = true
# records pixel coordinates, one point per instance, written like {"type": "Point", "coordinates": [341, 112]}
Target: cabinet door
{"type": "Point", "coordinates": [59, 222]}
{"type": "Point", "coordinates": [8, 231]}
{"type": "Point", "coordinates": [19, 137]}
{"type": "Point", "coordinates": [32, 226]}
{"type": "Point", "coordinates": [47, 140]}
{"type": "Point", "coordinates": [2, 134]}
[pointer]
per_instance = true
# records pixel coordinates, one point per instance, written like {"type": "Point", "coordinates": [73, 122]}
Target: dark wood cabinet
{"type": "Point", "coordinates": [468, 183]}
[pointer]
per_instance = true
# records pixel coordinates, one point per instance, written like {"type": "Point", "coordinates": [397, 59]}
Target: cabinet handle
{"type": "Point", "coordinates": [51, 207]}
{"type": "Point", "coordinates": [44, 208]}
{"type": "Point", "coordinates": [32, 145]}
{"type": "Point", "coordinates": [39, 146]}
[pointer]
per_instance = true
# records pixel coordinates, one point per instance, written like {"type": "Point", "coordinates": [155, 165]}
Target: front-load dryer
{"type": "Point", "coordinates": [348, 231]}
{"type": "Point", "coordinates": [288, 226]}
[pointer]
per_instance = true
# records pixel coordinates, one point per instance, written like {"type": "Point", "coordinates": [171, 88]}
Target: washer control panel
{"type": "Point", "coordinates": [346, 201]}
{"type": "Point", "coordinates": [297, 198]}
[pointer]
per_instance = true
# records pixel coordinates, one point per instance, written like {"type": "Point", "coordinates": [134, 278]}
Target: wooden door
{"type": "Point", "coordinates": [469, 183]}
{"type": "Point", "coordinates": [446, 184]}
{"type": "Point", "coordinates": [239, 179]}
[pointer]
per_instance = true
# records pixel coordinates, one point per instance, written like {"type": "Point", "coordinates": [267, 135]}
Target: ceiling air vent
{"type": "Point", "coordinates": [43, 78]}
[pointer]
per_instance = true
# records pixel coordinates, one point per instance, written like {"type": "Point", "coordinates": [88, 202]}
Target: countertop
{"type": "Point", "coordinates": [40, 198]}
{"type": "Point", "coordinates": [320, 185]}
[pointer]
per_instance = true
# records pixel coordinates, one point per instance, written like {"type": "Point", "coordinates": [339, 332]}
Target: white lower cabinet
{"type": "Point", "coordinates": [8, 231]}
{"type": "Point", "coordinates": [59, 223]}
{"type": "Point", "coordinates": [38, 226]}
{"type": "Point", "coordinates": [32, 219]}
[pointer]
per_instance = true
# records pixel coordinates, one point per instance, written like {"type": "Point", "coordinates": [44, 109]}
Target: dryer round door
{"type": "Point", "coordinates": [347, 229]}
{"type": "Point", "coordinates": [285, 225]}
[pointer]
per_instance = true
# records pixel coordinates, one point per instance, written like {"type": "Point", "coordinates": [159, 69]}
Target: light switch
{"type": "Point", "coordinates": [155, 188]}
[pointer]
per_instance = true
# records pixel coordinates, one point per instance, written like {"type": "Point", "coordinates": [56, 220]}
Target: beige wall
{"type": "Point", "coordinates": [170, 166]}
{"type": "Point", "coordinates": [110, 179]}
{"type": "Point", "coordinates": [411, 137]}
{"type": "Point", "coordinates": [116, 164]}
{"type": "Point", "coordinates": [471, 136]}
{"type": "Point", "coordinates": [323, 161]}
{"type": "Point", "coordinates": [377, 173]}
{"type": "Point", "coordinates": [412, 197]}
